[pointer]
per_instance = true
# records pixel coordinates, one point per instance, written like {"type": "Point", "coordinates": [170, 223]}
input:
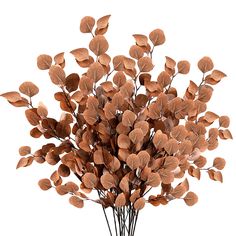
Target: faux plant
{"type": "Point", "coordinates": [123, 131]}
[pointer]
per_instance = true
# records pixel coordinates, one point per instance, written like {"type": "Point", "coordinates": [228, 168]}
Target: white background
{"type": "Point", "coordinates": [193, 29]}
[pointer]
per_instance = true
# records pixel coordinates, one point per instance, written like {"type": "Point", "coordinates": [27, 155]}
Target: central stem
{"type": "Point", "coordinates": [124, 220]}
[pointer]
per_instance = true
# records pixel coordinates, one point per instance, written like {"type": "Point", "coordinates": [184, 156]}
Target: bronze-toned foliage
{"type": "Point", "coordinates": [124, 130]}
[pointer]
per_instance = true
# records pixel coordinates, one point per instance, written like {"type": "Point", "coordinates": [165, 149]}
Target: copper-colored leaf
{"type": "Point", "coordinates": [157, 37]}
{"type": "Point", "coordinates": [167, 176]}
{"type": "Point", "coordinates": [42, 110]}
{"type": "Point", "coordinates": [136, 52]}
{"type": "Point", "coordinates": [171, 163]}
{"type": "Point", "coordinates": [81, 54]}
{"type": "Point", "coordinates": [63, 170]}
{"type": "Point", "coordinates": [61, 189]}
{"type": "Point", "coordinates": [143, 125]}
{"type": "Point", "coordinates": [57, 75]}
{"type": "Point", "coordinates": [24, 150]}
{"type": "Point", "coordinates": [210, 116]}
{"type": "Point", "coordinates": [144, 158]}
{"type": "Point", "coordinates": [170, 63]}
{"type": "Point", "coordinates": [217, 75]}
{"type": "Point", "coordinates": [135, 195]}
{"type": "Point", "coordinates": [145, 64]}
{"type": "Point", "coordinates": [171, 146]}
{"type": "Point", "coordinates": [133, 161]}
{"type": "Point", "coordinates": [219, 163]}
{"type": "Point", "coordinates": [76, 201]}
{"type": "Point", "coordinates": [178, 191]}
{"type": "Point", "coordinates": [224, 121]}
{"type": "Point", "coordinates": [218, 176]}
{"type": "Point", "coordinates": [141, 40]}
{"type": "Point", "coordinates": [123, 141]}
{"type": "Point", "coordinates": [12, 96]}
{"type": "Point", "coordinates": [44, 62]}
{"type": "Point", "coordinates": [205, 64]}
{"type": "Point", "coordinates": [139, 204]}
{"type": "Point", "coordinates": [98, 45]}
{"type": "Point", "coordinates": [107, 181]}
{"type": "Point", "coordinates": [95, 72]}
{"type": "Point", "coordinates": [86, 84]}
{"type": "Point", "coordinates": [23, 162]}
{"type": "Point", "coordinates": [103, 22]}
{"type": "Point", "coordinates": [183, 67]}
{"type": "Point", "coordinates": [124, 184]}
{"type": "Point", "coordinates": [90, 180]}
{"type": "Point", "coordinates": [179, 132]}
{"type": "Point", "coordinates": [153, 180]}
{"type": "Point", "coordinates": [120, 200]}
{"type": "Point", "coordinates": [225, 134]}
{"type": "Point", "coordinates": [29, 89]}
{"type": "Point", "coordinates": [164, 79]}
{"type": "Point", "coordinates": [136, 135]}
{"type": "Point", "coordinates": [44, 184]}
{"type": "Point", "coordinates": [159, 140]}
{"type": "Point", "coordinates": [119, 78]}
{"type": "Point", "coordinates": [32, 116]}
{"type": "Point", "coordinates": [86, 24]}
{"type": "Point", "coordinates": [90, 116]}
{"type": "Point", "coordinates": [191, 198]}
{"type": "Point", "coordinates": [128, 118]}
{"type": "Point", "coordinates": [60, 59]}
{"type": "Point", "coordinates": [205, 93]}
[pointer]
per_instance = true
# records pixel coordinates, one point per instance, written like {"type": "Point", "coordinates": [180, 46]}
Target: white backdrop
{"type": "Point", "coordinates": [193, 29]}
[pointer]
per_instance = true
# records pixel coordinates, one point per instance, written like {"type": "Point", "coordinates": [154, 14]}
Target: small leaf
{"type": "Point", "coordinates": [81, 54]}
{"type": "Point", "coordinates": [63, 170]}
{"type": "Point", "coordinates": [133, 161]}
{"type": "Point", "coordinates": [191, 198]}
{"type": "Point", "coordinates": [57, 75]}
{"type": "Point", "coordinates": [157, 37]}
{"type": "Point", "coordinates": [76, 201]}
{"type": "Point", "coordinates": [123, 141]}
{"type": "Point", "coordinates": [44, 62]}
{"type": "Point", "coordinates": [95, 72]}
{"type": "Point", "coordinates": [224, 121]}
{"type": "Point", "coordinates": [44, 184]}
{"type": "Point", "coordinates": [145, 64]}
{"type": "Point", "coordinates": [86, 84]}
{"type": "Point", "coordinates": [183, 67]}
{"type": "Point", "coordinates": [225, 134]}
{"type": "Point", "coordinates": [136, 52]}
{"type": "Point", "coordinates": [90, 180]}
{"type": "Point", "coordinates": [178, 191]}
{"type": "Point", "coordinates": [219, 163]}
{"type": "Point", "coordinates": [61, 189]}
{"type": "Point", "coordinates": [144, 158]}
{"type": "Point", "coordinates": [12, 96]}
{"type": "Point", "coordinates": [90, 116]}
{"type": "Point", "coordinates": [32, 116]}
{"type": "Point", "coordinates": [136, 135]}
{"type": "Point", "coordinates": [23, 162]}
{"type": "Point", "coordinates": [120, 200]}
{"type": "Point", "coordinates": [128, 118]}
{"type": "Point", "coordinates": [205, 64]}
{"type": "Point", "coordinates": [60, 59]}
{"type": "Point", "coordinates": [107, 181]}
{"type": "Point", "coordinates": [141, 40]}
{"type": "Point", "coordinates": [29, 89]}
{"type": "Point", "coordinates": [42, 110]}
{"type": "Point", "coordinates": [24, 150]}
{"type": "Point", "coordinates": [98, 45]}
{"type": "Point", "coordinates": [139, 204]}
{"type": "Point", "coordinates": [86, 24]}
{"type": "Point", "coordinates": [217, 75]}
{"type": "Point", "coordinates": [124, 184]}
{"type": "Point", "coordinates": [218, 176]}
{"type": "Point", "coordinates": [103, 22]}
{"type": "Point", "coordinates": [153, 180]}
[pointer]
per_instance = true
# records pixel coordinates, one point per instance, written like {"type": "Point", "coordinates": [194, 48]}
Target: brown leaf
{"type": "Point", "coordinates": [139, 204]}
{"type": "Point", "coordinates": [86, 85]}
{"type": "Point", "coordinates": [120, 200]}
{"type": "Point", "coordinates": [159, 140]}
{"type": "Point", "coordinates": [135, 195]}
{"type": "Point", "coordinates": [29, 89]}
{"type": "Point", "coordinates": [60, 59]}
{"type": "Point", "coordinates": [136, 52]}
{"type": "Point", "coordinates": [104, 59]}
{"type": "Point", "coordinates": [90, 180]}
{"type": "Point", "coordinates": [107, 181]}
{"type": "Point", "coordinates": [205, 64]}
{"type": "Point", "coordinates": [90, 116]}
{"type": "Point", "coordinates": [118, 62]}
{"type": "Point", "coordinates": [44, 184]}
{"type": "Point", "coordinates": [57, 75]}
{"type": "Point", "coordinates": [178, 191]}
{"type": "Point", "coordinates": [185, 147]}
{"type": "Point", "coordinates": [191, 198]}
{"type": "Point", "coordinates": [133, 161]}
{"type": "Point", "coordinates": [103, 22]}
{"type": "Point", "coordinates": [183, 67]}
{"type": "Point", "coordinates": [119, 78]}
{"type": "Point", "coordinates": [136, 135]}
{"type": "Point", "coordinates": [72, 82]}
{"type": "Point", "coordinates": [76, 201]}
{"type": "Point", "coordinates": [63, 170]}
{"type": "Point", "coordinates": [12, 96]}
{"type": "Point", "coordinates": [167, 177]}
{"type": "Point", "coordinates": [123, 141]}
{"type": "Point", "coordinates": [72, 187]}
{"type": "Point", "coordinates": [42, 110]}
{"type": "Point", "coordinates": [143, 125]}
{"type": "Point", "coordinates": [218, 176]}
{"type": "Point", "coordinates": [95, 72]}
{"type": "Point", "coordinates": [219, 163]}
{"type": "Point", "coordinates": [170, 63]}
{"type": "Point", "coordinates": [124, 184]}
{"type": "Point", "coordinates": [24, 150]}
{"type": "Point", "coordinates": [86, 24]}
{"type": "Point", "coordinates": [210, 116]}
{"type": "Point", "coordinates": [44, 62]}
{"type": "Point", "coordinates": [164, 79]}
{"type": "Point", "coordinates": [179, 133]}
{"type": "Point", "coordinates": [153, 180]}
{"type": "Point", "coordinates": [61, 189]}
{"type": "Point", "coordinates": [145, 64]}
{"type": "Point", "coordinates": [141, 40]}
{"type": "Point", "coordinates": [98, 45]}
{"type": "Point", "coordinates": [32, 116]}
{"type": "Point", "coordinates": [110, 111]}
{"type": "Point", "coordinates": [200, 162]}
{"type": "Point", "coordinates": [128, 118]}
{"type": "Point", "coordinates": [217, 75]}
{"type": "Point", "coordinates": [171, 163]}
{"type": "Point", "coordinates": [224, 121]}
{"type": "Point", "coordinates": [144, 158]}
{"type": "Point", "coordinates": [205, 93]}
{"type": "Point", "coordinates": [225, 134]}
{"type": "Point", "coordinates": [171, 146]}
{"type": "Point", "coordinates": [127, 89]}
{"type": "Point", "coordinates": [81, 54]}
{"type": "Point", "coordinates": [157, 37]}
{"type": "Point", "coordinates": [23, 162]}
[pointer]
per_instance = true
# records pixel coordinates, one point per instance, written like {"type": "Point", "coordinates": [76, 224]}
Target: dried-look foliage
{"type": "Point", "coordinates": [124, 131]}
